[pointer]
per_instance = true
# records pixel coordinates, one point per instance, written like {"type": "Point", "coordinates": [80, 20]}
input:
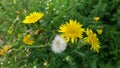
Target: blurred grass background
{"type": "Point", "coordinates": [13, 12]}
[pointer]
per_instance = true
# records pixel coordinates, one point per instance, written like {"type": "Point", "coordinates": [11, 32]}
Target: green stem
{"type": "Point", "coordinates": [40, 46]}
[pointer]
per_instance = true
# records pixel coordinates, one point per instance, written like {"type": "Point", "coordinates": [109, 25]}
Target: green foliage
{"type": "Point", "coordinates": [57, 12]}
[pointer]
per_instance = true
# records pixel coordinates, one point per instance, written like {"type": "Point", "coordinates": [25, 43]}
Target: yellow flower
{"type": "Point", "coordinates": [10, 31]}
{"type": "Point", "coordinates": [14, 1]}
{"type": "Point", "coordinates": [27, 40]}
{"type": "Point", "coordinates": [93, 40]}
{"type": "Point", "coordinates": [99, 31]}
{"type": "Point", "coordinates": [97, 18]}
{"type": "Point", "coordinates": [71, 31]}
{"type": "Point", "coordinates": [4, 50]}
{"type": "Point", "coordinates": [19, 35]}
{"type": "Point", "coordinates": [33, 17]}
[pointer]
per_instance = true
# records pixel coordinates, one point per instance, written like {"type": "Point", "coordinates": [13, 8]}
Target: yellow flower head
{"type": "Point", "coordinates": [93, 40]}
{"type": "Point", "coordinates": [19, 35]}
{"type": "Point", "coordinates": [97, 18]}
{"type": "Point", "coordinates": [4, 50]}
{"type": "Point", "coordinates": [33, 17]}
{"type": "Point", "coordinates": [71, 30]}
{"type": "Point", "coordinates": [10, 31]}
{"type": "Point", "coordinates": [14, 1]}
{"type": "Point", "coordinates": [27, 40]}
{"type": "Point", "coordinates": [99, 31]}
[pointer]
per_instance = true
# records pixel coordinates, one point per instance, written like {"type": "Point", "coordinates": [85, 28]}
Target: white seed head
{"type": "Point", "coordinates": [58, 44]}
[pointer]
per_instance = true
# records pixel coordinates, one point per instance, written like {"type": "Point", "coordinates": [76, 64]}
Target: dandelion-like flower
{"type": "Point", "coordinates": [4, 50]}
{"type": "Point", "coordinates": [93, 40]}
{"type": "Point", "coordinates": [71, 31]}
{"type": "Point", "coordinates": [27, 40]}
{"type": "Point", "coordinates": [58, 44]}
{"type": "Point", "coordinates": [97, 18]}
{"type": "Point", "coordinates": [10, 31]}
{"type": "Point", "coordinates": [99, 31]}
{"type": "Point", "coordinates": [33, 17]}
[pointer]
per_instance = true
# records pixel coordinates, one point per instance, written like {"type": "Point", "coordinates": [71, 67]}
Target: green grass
{"type": "Point", "coordinates": [57, 12]}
